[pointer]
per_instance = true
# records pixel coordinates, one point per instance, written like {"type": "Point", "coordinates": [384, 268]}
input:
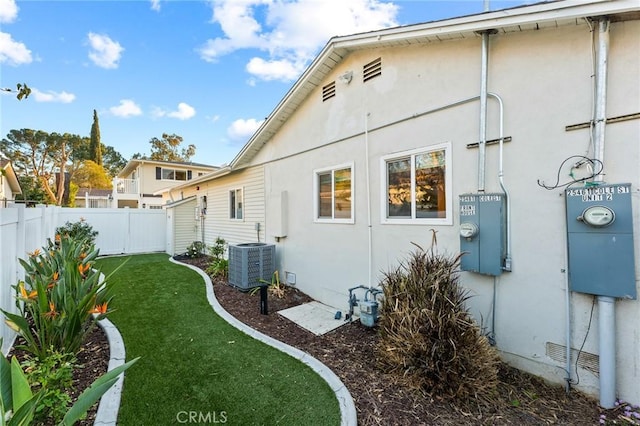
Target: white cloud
{"type": "Point", "coordinates": [51, 96]}
{"type": "Point", "coordinates": [8, 11]}
{"type": "Point", "coordinates": [155, 5]}
{"type": "Point", "coordinates": [274, 69]}
{"type": "Point", "coordinates": [127, 108]}
{"type": "Point", "coordinates": [242, 130]}
{"type": "Point", "coordinates": [13, 52]}
{"type": "Point", "coordinates": [184, 112]}
{"type": "Point", "coordinates": [105, 52]}
{"type": "Point", "coordinates": [293, 32]}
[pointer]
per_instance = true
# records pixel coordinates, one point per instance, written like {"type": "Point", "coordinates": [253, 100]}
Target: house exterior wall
{"type": "Point", "coordinates": [217, 221]}
{"type": "Point", "coordinates": [545, 80]}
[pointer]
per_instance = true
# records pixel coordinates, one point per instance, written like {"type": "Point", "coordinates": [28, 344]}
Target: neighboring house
{"type": "Point", "coordinates": [385, 141]}
{"type": "Point", "coordinates": [140, 183]}
{"type": "Point", "coordinates": [94, 198]}
{"type": "Point", "coordinates": [9, 184]}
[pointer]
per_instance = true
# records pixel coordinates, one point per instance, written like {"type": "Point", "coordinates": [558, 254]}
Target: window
{"type": "Point", "coordinates": [235, 204]}
{"type": "Point", "coordinates": [172, 174]}
{"type": "Point", "coordinates": [333, 194]}
{"type": "Point", "coordinates": [417, 186]}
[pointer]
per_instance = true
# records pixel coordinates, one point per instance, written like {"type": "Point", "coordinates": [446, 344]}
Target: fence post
{"type": "Point", "coordinates": [21, 235]}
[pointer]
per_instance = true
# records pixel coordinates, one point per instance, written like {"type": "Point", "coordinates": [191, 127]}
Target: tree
{"type": "Point", "coordinates": [112, 161]}
{"type": "Point", "coordinates": [43, 156]}
{"type": "Point", "coordinates": [23, 91]}
{"type": "Point", "coordinates": [91, 175]}
{"type": "Point", "coordinates": [166, 149]}
{"type": "Point", "coordinates": [95, 147]}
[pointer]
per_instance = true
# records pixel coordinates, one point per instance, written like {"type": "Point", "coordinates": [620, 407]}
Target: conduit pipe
{"type": "Point", "coordinates": [606, 304]}
{"type": "Point", "coordinates": [366, 170]}
{"type": "Point", "coordinates": [484, 73]}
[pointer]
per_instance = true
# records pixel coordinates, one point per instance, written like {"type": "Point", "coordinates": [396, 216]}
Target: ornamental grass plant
{"type": "Point", "coordinates": [428, 339]}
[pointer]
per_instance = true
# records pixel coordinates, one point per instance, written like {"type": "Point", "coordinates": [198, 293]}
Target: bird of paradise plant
{"type": "Point", "coordinates": [60, 298]}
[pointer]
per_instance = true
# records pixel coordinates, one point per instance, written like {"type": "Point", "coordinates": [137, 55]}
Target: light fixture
{"type": "Point", "coordinates": [346, 77]}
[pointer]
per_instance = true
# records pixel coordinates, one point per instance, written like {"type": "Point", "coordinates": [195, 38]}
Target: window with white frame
{"type": "Point", "coordinates": [416, 186]}
{"type": "Point", "coordinates": [163, 173]}
{"type": "Point", "coordinates": [333, 194]}
{"type": "Point", "coordinates": [236, 204]}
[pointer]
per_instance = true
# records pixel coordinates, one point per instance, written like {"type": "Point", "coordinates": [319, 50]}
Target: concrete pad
{"type": "Point", "coordinates": [314, 316]}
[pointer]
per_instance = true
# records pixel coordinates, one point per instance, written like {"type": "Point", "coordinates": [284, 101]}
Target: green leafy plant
{"type": "Point", "coordinates": [219, 267]}
{"type": "Point", "coordinates": [18, 402]}
{"type": "Point", "coordinates": [196, 249]}
{"type": "Point", "coordinates": [79, 231]}
{"type": "Point", "coordinates": [53, 377]}
{"type": "Point", "coordinates": [58, 298]}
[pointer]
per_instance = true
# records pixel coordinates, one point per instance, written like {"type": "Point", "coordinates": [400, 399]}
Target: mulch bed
{"type": "Point", "coordinates": [349, 351]}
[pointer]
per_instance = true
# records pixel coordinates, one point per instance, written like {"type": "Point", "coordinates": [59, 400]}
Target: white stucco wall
{"type": "Point", "coordinates": [545, 80]}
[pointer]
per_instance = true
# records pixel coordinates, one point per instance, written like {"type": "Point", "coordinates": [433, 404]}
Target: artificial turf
{"type": "Point", "coordinates": [195, 368]}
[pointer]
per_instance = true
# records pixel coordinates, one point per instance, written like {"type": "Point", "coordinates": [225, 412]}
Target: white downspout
{"type": "Point", "coordinates": [483, 111]}
{"type": "Point", "coordinates": [606, 304]}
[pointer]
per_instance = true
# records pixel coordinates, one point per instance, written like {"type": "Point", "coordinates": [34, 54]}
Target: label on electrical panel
{"type": "Point", "coordinates": [599, 193]}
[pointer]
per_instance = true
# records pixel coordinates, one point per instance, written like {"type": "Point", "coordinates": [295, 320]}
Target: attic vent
{"type": "Point", "coordinates": [329, 91]}
{"type": "Point", "coordinates": [587, 361]}
{"type": "Point", "coordinates": [372, 69]}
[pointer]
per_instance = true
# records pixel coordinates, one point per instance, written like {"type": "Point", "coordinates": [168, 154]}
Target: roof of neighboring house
{"type": "Point", "coordinates": [516, 19]}
{"type": "Point", "coordinates": [179, 202]}
{"type": "Point", "coordinates": [11, 176]}
{"type": "Point", "coordinates": [132, 164]}
{"type": "Point", "coordinates": [93, 192]}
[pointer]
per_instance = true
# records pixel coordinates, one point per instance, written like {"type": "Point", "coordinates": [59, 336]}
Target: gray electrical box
{"type": "Point", "coordinates": [482, 233]}
{"type": "Point", "coordinates": [600, 238]}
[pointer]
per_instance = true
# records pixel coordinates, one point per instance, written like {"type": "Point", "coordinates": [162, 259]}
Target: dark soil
{"type": "Point", "coordinates": [349, 352]}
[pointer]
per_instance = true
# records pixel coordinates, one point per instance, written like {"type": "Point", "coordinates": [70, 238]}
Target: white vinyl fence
{"type": "Point", "coordinates": [23, 230]}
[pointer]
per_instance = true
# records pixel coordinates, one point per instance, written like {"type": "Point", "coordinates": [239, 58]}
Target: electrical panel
{"type": "Point", "coordinates": [482, 233]}
{"type": "Point", "coordinates": [600, 238]}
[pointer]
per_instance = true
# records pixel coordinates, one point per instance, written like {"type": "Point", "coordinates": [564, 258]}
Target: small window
{"type": "Point", "coordinates": [417, 186]}
{"type": "Point", "coordinates": [235, 204]}
{"type": "Point", "coordinates": [333, 189]}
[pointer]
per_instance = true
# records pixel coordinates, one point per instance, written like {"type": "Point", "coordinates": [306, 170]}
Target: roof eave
{"type": "Point", "coordinates": [338, 47]}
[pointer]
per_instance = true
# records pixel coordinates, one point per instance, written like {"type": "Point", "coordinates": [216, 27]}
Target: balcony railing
{"type": "Point", "coordinates": [127, 186]}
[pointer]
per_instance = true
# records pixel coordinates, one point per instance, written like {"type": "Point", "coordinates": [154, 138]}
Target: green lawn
{"type": "Point", "coordinates": [196, 368]}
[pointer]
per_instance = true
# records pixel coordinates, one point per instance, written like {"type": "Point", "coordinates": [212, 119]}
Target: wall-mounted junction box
{"type": "Point", "coordinates": [600, 238]}
{"type": "Point", "coordinates": [482, 233]}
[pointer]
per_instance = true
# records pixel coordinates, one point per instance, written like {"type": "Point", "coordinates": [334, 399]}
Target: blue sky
{"type": "Point", "coordinates": [209, 71]}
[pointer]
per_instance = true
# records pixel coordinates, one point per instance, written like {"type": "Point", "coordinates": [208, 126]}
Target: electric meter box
{"type": "Point", "coordinates": [482, 233]}
{"type": "Point", "coordinates": [600, 238]}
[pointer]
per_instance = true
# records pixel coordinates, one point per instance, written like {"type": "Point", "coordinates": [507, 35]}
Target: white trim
{"type": "Point", "coordinates": [448, 182]}
{"type": "Point", "coordinates": [316, 189]}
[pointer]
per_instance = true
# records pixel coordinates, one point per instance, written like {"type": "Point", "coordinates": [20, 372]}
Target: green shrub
{"type": "Point", "coordinates": [196, 249]}
{"type": "Point", "coordinates": [53, 376]}
{"type": "Point", "coordinates": [219, 267]}
{"type": "Point", "coordinates": [428, 339]}
{"type": "Point", "coordinates": [79, 231]}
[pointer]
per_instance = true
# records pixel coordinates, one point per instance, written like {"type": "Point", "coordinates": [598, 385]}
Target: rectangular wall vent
{"type": "Point", "coordinates": [372, 69]}
{"type": "Point", "coordinates": [329, 91]}
{"type": "Point", "coordinates": [587, 361]}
